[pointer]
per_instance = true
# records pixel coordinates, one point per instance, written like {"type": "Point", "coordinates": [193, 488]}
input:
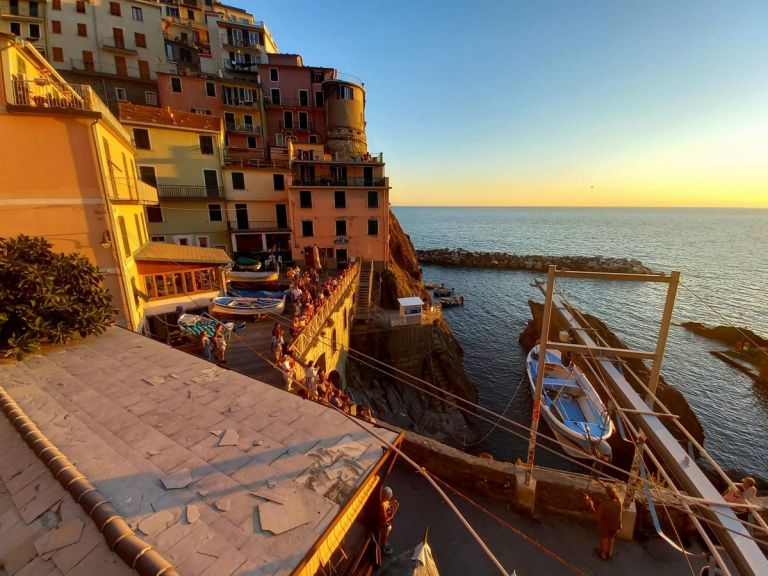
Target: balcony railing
{"type": "Point", "coordinates": [291, 102]}
{"type": "Point", "coordinates": [343, 182]}
{"type": "Point", "coordinates": [123, 190]}
{"type": "Point", "coordinates": [297, 127]}
{"type": "Point", "coordinates": [243, 128]}
{"type": "Point", "coordinates": [318, 321]}
{"type": "Point", "coordinates": [239, 103]}
{"type": "Point", "coordinates": [240, 66]}
{"type": "Point", "coordinates": [118, 43]}
{"type": "Point", "coordinates": [190, 192]}
{"type": "Point", "coordinates": [44, 93]}
{"type": "Point", "coordinates": [367, 158]}
{"type": "Point", "coordinates": [256, 226]}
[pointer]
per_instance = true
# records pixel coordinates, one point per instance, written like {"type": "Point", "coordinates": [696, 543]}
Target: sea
{"type": "Point", "coordinates": [722, 255]}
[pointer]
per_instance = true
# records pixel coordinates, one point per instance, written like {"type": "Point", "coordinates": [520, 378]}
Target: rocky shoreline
{"type": "Point", "coordinates": [459, 257]}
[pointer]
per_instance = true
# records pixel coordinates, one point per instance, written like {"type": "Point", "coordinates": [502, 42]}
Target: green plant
{"type": "Point", "coordinates": [47, 297]}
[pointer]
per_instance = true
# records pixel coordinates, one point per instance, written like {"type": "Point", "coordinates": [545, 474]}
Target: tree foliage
{"type": "Point", "coordinates": [47, 297]}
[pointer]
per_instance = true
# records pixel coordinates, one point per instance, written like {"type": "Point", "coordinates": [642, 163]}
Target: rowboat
{"type": "Point", "coordinates": [246, 263]}
{"type": "Point", "coordinates": [450, 301]}
{"type": "Point", "coordinates": [443, 291]}
{"type": "Point", "coordinates": [194, 324]}
{"type": "Point", "coordinates": [247, 306]}
{"type": "Point", "coordinates": [242, 276]}
{"type": "Point", "coordinates": [571, 407]}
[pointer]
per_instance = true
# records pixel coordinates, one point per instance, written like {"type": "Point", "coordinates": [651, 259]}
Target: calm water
{"type": "Point", "coordinates": [721, 255]}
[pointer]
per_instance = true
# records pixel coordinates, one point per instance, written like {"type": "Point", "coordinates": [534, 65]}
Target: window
{"type": "Point", "coordinates": [317, 76]}
{"type": "Point", "coordinates": [341, 227]}
{"type": "Point", "coordinates": [136, 14]}
{"type": "Point", "coordinates": [172, 11]}
{"type": "Point", "coordinates": [340, 199]}
{"type": "Point", "coordinates": [156, 238]}
{"type": "Point", "coordinates": [313, 139]}
{"type": "Point", "coordinates": [150, 98]}
{"type": "Point", "coordinates": [200, 111]}
{"type": "Point", "coordinates": [121, 95]}
{"type": "Point", "coordinates": [303, 98]}
{"type": "Point", "coordinates": [56, 26]}
{"type": "Point", "coordinates": [82, 30]}
{"type": "Point", "coordinates": [373, 227]}
{"type": "Point", "coordinates": [114, 8]}
{"type": "Point", "coordinates": [274, 94]}
{"type": "Point", "coordinates": [34, 30]}
{"type": "Point", "coordinates": [373, 199]}
{"type": "Point", "coordinates": [287, 119]}
{"type": "Point", "coordinates": [141, 139]}
{"type": "Point", "coordinates": [307, 228]}
{"type": "Point", "coordinates": [238, 181]}
{"type": "Point", "coordinates": [141, 40]}
{"type": "Point", "coordinates": [16, 28]}
{"type": "Point", "coordinates": [273, 75]}
{"type": "Point", "coordinates": [147, 175]}
{"type": "Point", "coordinates": [303, 121]}
{"type": "Point", "coordinates": [214, 213]}
{"type": "Point", "coordinates": [206, 145]}
{"type": "Point", "coordinates": [56, 5]}
{"type": "Point", "coordinates": [155, 214]}
{"type": "Point", "coordinates": [124, 236]}
{"type": "Point", "coordinates": [137, 223]}
{"type": "Point", "coordinates": [58, 54]}
{"type": "Point", "coordinates": [175, 84]}
{"type": "Point", "coordinates": [80, 6]}
{"type": "Point", "coordinates": [33, 9]}
{"type": "Point", "coordinates": [169, 53]}
{"type": "Point", "coordinates": [278, 180]}
{"type": "Point", "coordinates": [345, 93]}
{"type": "Point", "coordinates": [210, 89]}
{"type": "Point", "coordinates": [319, 98]}
{"type": "Point", "coordinates": [144, 70]}
{"type": "Point", "coordinates": [121, 66]}
{"type": "Point", "coordinates": [305, 199]}
{"type": "Point", "coordinates": [191, 15]}
{"type": "Point", "coordinates": [252, 142]}
{"type": "Point", "coordinates": [88, 61]}
{"type": "Point", "coordinates": [279, 139]}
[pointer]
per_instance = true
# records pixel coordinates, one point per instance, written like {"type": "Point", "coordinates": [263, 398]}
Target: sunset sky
{"type": "Point", "coordinates": [552, 103]}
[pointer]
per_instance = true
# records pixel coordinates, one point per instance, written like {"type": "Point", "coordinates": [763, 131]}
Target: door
{"type": "Point", "coordinates": [229, 117]}
{"type": "Point", "coordinates": [368, 176]}
{"type": "Point", "coordinates": [211, 183]}
{"type": "Point", "coordinates": [241, 213]}
{"type": "Point", "coordinates": [339, 175]}
{"type": "Point", "coordinates": [341, 258]}
{"type": "Point", "coordinates": [309, 256]}
{"type": "Point", "coordinates": [282, 215]}
{"type": "Point", "coordinates": [119, 38]}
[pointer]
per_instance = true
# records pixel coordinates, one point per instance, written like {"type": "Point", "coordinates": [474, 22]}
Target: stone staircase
{"type": "Point", "coordinates": [363, 307]}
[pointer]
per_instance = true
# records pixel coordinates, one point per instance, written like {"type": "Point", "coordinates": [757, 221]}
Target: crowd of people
{"type": "Point", "coordinates": [309, 295]}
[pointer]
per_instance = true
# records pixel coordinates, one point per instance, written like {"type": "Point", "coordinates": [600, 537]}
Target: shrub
{"type": "Point", "coordinates": [47, 297]}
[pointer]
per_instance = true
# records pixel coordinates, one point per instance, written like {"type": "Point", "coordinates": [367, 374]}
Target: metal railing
{"type": "Point", "coordinates": [255, 225]}
{"type": "Point", "coordinates": [297, 126]}
{"type": "Point", "coordinates": [292, 102]}
{"type": "Point", "coordinates": [44, 93]}
{"type": "Point", "coordinates": [343, 182]}
{"type": "Point", "coordinates": [130, 190]}
{"type": "Point", "coordinates": [239, 103]}
{"type": "Point", "coordinates": [240, 66]}
{"type": "Point", "coordinates": [243, 128]}
{"type": "Point", "coordinates": [190, 192]}
{"type": "Point", "coordinates": [317, 323]}
{"type": "Point", "coordinates": [118, 42]}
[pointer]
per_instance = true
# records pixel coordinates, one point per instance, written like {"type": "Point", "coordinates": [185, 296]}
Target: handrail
{"type": "Point", "coordinates": [309, 333]}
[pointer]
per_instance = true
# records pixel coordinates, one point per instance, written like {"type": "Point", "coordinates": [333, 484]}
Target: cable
{"type": "Point", "coordinates": [503, 412]}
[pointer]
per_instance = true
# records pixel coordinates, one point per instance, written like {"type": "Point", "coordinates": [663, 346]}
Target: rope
{"type": "Point", "coordinates": [503, 412]}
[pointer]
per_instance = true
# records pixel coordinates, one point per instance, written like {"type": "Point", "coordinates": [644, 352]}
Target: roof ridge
{"type": "Point", "coordinates": [135, 552]}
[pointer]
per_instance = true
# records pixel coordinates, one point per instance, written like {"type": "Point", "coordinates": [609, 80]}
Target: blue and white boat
{"type": "Point", "coordinates": [575, 413]}
{"type": "Point", "coordinates": [247, 306]}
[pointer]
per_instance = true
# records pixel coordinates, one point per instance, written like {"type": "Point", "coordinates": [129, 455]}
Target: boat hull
{"type": "Point", "coordinates": [247, 306]}
{"type": "Point", "coordinates": [241, 276]}
{"type": "Point", "coordinates": [571, 407]}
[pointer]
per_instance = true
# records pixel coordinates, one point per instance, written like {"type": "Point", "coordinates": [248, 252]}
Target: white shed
{"type": "Point", "coordinates": [411, 309]}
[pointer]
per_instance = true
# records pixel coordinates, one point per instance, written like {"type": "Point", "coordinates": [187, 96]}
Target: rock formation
{"type": "Point", "coordinates": [536, 263]}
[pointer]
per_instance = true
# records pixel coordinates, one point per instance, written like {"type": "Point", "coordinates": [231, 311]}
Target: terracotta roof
{"type": "Point", "coordinates": [218, 472]}
{"type": "Point", "coordinates": [166, 252]}
{"type": "Point", "coordinates": [135, 114]}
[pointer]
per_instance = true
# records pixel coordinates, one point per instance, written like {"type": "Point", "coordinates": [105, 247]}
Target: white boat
{"type": "Point", "coordinates": [242, 276]}
{"type": "Point", "coordinates": [571, 407]}
{"type": "Point", "coordinates": [450, 301]}
{"type": "Point", "coordinates": [194, 324]}
{"type": "Point", "coordinates": [247, 306]}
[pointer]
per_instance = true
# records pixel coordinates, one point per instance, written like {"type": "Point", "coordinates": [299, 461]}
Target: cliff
{"type": "Point", "coordinates": [669, 396]}
{"type": "Point", "coordinates": [422, 352]}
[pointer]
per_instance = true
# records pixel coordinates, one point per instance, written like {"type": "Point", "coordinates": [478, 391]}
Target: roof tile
{"type": "Point", "coordinates": [167, 117]}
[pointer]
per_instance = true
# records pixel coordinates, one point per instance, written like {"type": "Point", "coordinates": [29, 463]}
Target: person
{"type": "Point", "coordinates": [389, 508]}
{"type": "Point", "coordinates": [741, 493]}
{"type": "Point", "coordinates": [220, 343]}
{"type": "Point", "coordinates": [608, 514]}
{"type": "Point", "coordinates": [205, 346]}
{"type": "Point", "coordinates": [277, 342]}
{"type": "Point", "coordinates": [288, 368]}
{"type": "Point", "coordinates": [309, 376]}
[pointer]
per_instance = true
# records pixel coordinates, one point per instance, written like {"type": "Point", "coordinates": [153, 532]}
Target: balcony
{"type": "Point", "coordinates": [256, 226]}
{"type": "Point", "coordinates": [367, 158]}
{"type": "Point", "coordinates": [14, 13]}
{"type": "Point", "coordinates": [283, 102]}
{"type": "Point", "coordinates": [342, 182]}
{"type": "Point", "coordinates": [130, 191]}
{"type": "Point", "coordinates": [240, 66]}
{"type": "Point", "coordinates": [237, 103]}
{"type": "Point", "coordinates": [297, 126]}
{"type": "Point", "coordinates": [253, 157]}
{"type": "Point", "coordinates": [44, 93]}
{"type": "Point", "coordinates": [243, 128]}
{"type": "Point", "coordinates": [118, 44]}
{"type": "Point", "coordinates": [170, 191]}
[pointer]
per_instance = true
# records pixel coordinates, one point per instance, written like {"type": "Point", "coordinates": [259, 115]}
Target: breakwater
{"type": "Point", "coordinates": [538, 263]}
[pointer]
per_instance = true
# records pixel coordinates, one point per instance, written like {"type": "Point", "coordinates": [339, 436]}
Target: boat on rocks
{"type": "Point", "coordinates": [247, 306]}
{"type": "Point", "coordinates": [450, 301]}
{"type": "Point", "coordinates": [570, 405]}
{"type": "Point", "coordinates": [248, 276]}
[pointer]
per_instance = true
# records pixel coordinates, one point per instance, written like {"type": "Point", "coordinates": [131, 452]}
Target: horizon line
{"type": "Point", "coordinates": [575, 206]}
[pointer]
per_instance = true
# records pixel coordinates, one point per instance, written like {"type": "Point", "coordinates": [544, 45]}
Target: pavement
{"type": "Point", "coordinates": [458, 554]}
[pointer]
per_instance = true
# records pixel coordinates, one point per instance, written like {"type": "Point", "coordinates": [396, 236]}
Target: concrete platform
{"type": "Point", "coordinates": [457, 553]}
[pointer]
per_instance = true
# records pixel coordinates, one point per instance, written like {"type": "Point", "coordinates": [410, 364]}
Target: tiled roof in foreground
{"type": "Point", "coordinates": [260, 473]}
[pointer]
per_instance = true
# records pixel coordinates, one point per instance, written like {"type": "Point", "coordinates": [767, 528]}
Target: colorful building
{"type": "Point", "coordinates": [180, 153]}
{"type": "Point", "coordinates": [117, 47]}
{"type": "Point", "coordinates": [238, 42]}
{"type": "Point", "coordinates": [25, 19]}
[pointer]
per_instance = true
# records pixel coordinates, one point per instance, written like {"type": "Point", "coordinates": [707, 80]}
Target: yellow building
{"type": "Point", "coordinates": [180, 153]}
{"type": "Point", "coordinates": [69, 175]}
{"type": "Point", "coordinates": [25, 19]}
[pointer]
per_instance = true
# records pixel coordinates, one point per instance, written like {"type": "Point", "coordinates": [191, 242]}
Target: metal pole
{"type": "Point", "coordinates": [540, 371]}
{"type": "Point", "coordinates": [661, 342]}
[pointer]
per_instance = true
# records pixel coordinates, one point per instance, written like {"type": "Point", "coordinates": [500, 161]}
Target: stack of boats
{"type": "Point", "coordinates": [249, 270]}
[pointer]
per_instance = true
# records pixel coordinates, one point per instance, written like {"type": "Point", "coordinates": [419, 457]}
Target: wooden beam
{"type": "Point", "coordinates": [600, 350]}
{"type": "Point", "coordinates": [622, 276]}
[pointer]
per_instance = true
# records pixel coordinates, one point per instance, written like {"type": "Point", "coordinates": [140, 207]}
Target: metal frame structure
{"type": "Point", "coordinates": [743, 552]}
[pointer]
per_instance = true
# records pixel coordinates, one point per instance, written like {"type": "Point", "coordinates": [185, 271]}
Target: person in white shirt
{"type": "Point", "coordinates": [309, 376]}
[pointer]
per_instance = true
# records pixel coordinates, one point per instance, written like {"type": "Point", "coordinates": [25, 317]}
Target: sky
{"type": "Point", "coordinates": [551, 102]}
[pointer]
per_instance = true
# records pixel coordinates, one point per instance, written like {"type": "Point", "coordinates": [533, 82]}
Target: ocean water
{"type": "Point", "coordinates": [723, 259]}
